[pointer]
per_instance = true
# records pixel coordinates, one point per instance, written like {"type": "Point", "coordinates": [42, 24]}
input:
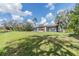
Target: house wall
{"type": "Point", "coordinates": [51, 29]}
{"type": "Point", "coordinates": [46, 29]}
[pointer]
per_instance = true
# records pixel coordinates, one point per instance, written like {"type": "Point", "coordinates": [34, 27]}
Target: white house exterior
{"type": "Point", "coordinates": [45, 29]}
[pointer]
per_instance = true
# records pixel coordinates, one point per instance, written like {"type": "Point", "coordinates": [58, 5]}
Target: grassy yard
{"type": "Point", "coordinates": [38, 43]}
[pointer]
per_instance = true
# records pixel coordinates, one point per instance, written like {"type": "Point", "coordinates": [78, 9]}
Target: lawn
{"type": "Point", "coordinates": [38, 43]}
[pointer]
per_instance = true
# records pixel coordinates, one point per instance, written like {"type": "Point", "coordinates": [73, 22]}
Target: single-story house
{"type": "Point", "coordinates": [50, 28]}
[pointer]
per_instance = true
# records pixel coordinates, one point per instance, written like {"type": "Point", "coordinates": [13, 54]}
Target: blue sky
{"type": "Point", "coordinates": [39, 10]}
{"type": "Point", "coordinates": [44, 12]}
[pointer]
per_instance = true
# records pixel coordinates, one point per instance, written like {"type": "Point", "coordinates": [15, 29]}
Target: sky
{"type": "Point", "coordinates": [44, 12]}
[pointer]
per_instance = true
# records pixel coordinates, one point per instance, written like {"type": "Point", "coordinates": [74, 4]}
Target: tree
{"type": "Point", "coordinates": [6, 25]}
{"type": "Point", "coordinates": [57, 23]}
{"type": "Point", "coordinates": [62, 20]}
{"type": "Point", "coordinates": [74, 19]}
{"type": "Point", "coordinates": [11, 25]}
{"type": "Point", "coordinates": [35, 21]}
{"type": "Point", "coordinates": [28, 26]}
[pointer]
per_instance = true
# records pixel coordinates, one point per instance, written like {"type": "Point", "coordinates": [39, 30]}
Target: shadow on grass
{"type": "Point", "coordinates": [76, 36]}
{"type": "Point", "coordinates": [34, 46]}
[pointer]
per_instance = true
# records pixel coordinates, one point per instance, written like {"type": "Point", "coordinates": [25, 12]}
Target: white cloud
{"type": "Point", "coordinates": [17, 17]}
{"type": "Point", "coordinates": [1, 20]}
{"type": "Point", "coordinates": [50, 6]}
{"type": "Point", "coordinates": [28, 13]}
{"type": "Point", "coordinates": [18, 6]}
{"type": "Point", "coordinates": [50, 16]}
{"type": "Point", "coordinates": [30, 21]}
{"type": "Point", "coordinates": [10, 7]}
{"type": "Point", "coordinates": [43, 21]}
{"type": "Point", "coordinates": [52, 22]}
{"type": "Point", "coordinates": [14, 8]}
{"type": "Point", "coordinates": [60, 11]}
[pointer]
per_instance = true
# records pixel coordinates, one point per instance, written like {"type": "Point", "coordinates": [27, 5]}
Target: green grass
{"type": "Point", "coordinates": [9, 36]}
{"type": "Point", "coordinates": [38, 43]}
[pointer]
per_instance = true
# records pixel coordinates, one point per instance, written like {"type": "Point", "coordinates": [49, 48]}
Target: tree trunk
{"type": "Point", "coordinates": [57, 28]}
